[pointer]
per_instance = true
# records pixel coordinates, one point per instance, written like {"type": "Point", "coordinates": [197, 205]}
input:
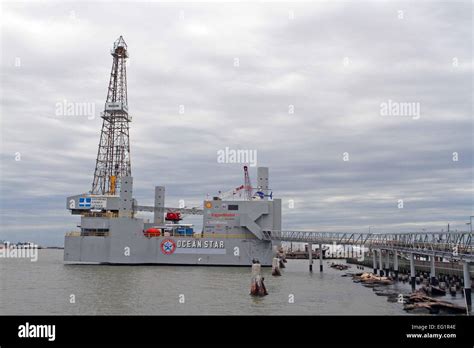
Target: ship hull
{"type": "Point", "coordinates": [126, 244]}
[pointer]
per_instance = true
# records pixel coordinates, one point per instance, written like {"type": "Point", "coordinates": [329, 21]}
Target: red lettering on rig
{"type": "Point", "coordinates": [223, 215]}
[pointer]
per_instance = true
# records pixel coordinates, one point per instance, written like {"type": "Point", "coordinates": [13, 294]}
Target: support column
{"type": "Point", "coordinates": [395, 263]}
{"type": "Point", "coordinates": [433, 270]}
{"type": "Point", "coordinates": [158, 215]}
{"type": "Point", "coordinates": [262, 181]}
{"type": "Point", "coordinates": [126, 197]}
{"type": "Point", "coordinates": [374, 260]}
{"type": "Point", "coordinates": [387, 264]}
{"type": "Point", "coordinates": [412, 271]}
{"type": "Point", "coordinates": [380, 263]}
{"type": "Point", "coordinates": [320, 257]}
{"type": "Point", "coordinates": [310, 254]}
{"type": "Point", "coordinates": [467, 284]}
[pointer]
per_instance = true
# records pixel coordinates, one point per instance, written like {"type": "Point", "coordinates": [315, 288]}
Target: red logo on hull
{"type": "Point", "coordinates": [168, 246]}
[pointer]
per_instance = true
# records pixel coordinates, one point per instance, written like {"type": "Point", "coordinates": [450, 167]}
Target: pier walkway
{"type": "Point", "coordinates": [451, 245]}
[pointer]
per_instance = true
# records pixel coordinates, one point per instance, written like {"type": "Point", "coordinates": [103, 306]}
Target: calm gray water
{"type": "Point", "coordinates": [45, 287]}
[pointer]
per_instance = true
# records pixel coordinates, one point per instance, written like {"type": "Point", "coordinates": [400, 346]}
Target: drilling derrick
{"type": "Point", "coordinates": [113, 156]}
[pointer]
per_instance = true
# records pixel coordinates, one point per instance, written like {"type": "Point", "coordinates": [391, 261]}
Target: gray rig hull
{"type": "Point", "coordinates": [126, 244]}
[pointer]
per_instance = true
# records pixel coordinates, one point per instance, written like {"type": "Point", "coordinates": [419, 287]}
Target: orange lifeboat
{"type": "Point", "coordinates": [152, 232]}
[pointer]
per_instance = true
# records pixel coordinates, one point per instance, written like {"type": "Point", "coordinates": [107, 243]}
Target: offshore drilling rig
{"type": "Point", "coordinates": [233, 231]}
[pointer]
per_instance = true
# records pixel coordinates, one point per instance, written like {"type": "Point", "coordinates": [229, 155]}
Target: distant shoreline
{"type": "Point", "coordinates": [39, 247]}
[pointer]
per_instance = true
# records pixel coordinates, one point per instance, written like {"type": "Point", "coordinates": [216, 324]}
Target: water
{"type": "Point", "coordinates": [45, 288]}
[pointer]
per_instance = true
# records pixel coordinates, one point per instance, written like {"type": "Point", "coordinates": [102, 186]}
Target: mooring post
{"type": "Point", "coordinates": [433, 270]}
{"type": "Point", "coordinates": [276, 267]}
{"type": "Point", "coordinates": [374, 260]}
{"type": "Point", "coordinates": [387, 263]}
{"type": "Point", "coordinates": [310, 254]}
{"type": "Point", "coordinates": [320, 257]}
{"type": "Point", "coordinates": [380, 263]}
{"type": "Point", "coordinates": [395, 264]}
{"type": "Point", "coordinates": [412, 271]}
{"type": "Point", "coordinates": [257, 287]}
{"type": "Point", "coordinates": [467, 285]}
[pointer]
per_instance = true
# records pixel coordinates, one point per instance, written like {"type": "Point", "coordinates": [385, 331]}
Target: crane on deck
{"type": "Point", "coordinates": [247, 185]}
{"type": "Point", "coordinates": [244, 192]}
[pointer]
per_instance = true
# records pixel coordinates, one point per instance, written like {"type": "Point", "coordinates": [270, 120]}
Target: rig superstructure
{"type": "Point", "coordinates": [234, 232]}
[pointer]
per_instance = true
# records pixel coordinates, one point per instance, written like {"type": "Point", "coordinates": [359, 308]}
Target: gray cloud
{"type": "Point", "coordinates": [189, 60]}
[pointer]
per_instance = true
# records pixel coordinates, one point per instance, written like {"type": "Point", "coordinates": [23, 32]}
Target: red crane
{"type": "Point", "coordinates": [247, 184]}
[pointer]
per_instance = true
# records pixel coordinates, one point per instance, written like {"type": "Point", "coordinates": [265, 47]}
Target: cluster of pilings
{"type": "Point", "coordinates": [383, 265]}
{"type": "Point", "coordinates": [310, 254]}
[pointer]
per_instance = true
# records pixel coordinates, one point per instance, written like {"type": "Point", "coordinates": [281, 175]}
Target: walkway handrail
{"type": "Point", "coordinates": [457, 244]}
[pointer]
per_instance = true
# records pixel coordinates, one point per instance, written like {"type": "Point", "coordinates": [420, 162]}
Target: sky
{"type": "Point", "coordinates": [361, 110]}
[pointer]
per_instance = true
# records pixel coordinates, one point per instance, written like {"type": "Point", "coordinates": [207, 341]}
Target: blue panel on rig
{"type": "Point", "coordinates": [187, 231]}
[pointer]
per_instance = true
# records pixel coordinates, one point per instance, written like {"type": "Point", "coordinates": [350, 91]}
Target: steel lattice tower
{"type": "Point", "coordinates": [247, 185]}
{"type": "Point", "coordinates": [113, 156]}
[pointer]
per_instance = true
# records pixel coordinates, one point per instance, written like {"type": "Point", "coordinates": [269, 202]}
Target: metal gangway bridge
{"type": "Point", "coordinates": [453, 246]}
{"type": "Point", "coordinates": [450, 245]}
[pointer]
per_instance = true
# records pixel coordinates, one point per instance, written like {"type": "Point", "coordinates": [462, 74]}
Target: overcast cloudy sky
{"type": "Point", "coordinates": [334, 64]}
